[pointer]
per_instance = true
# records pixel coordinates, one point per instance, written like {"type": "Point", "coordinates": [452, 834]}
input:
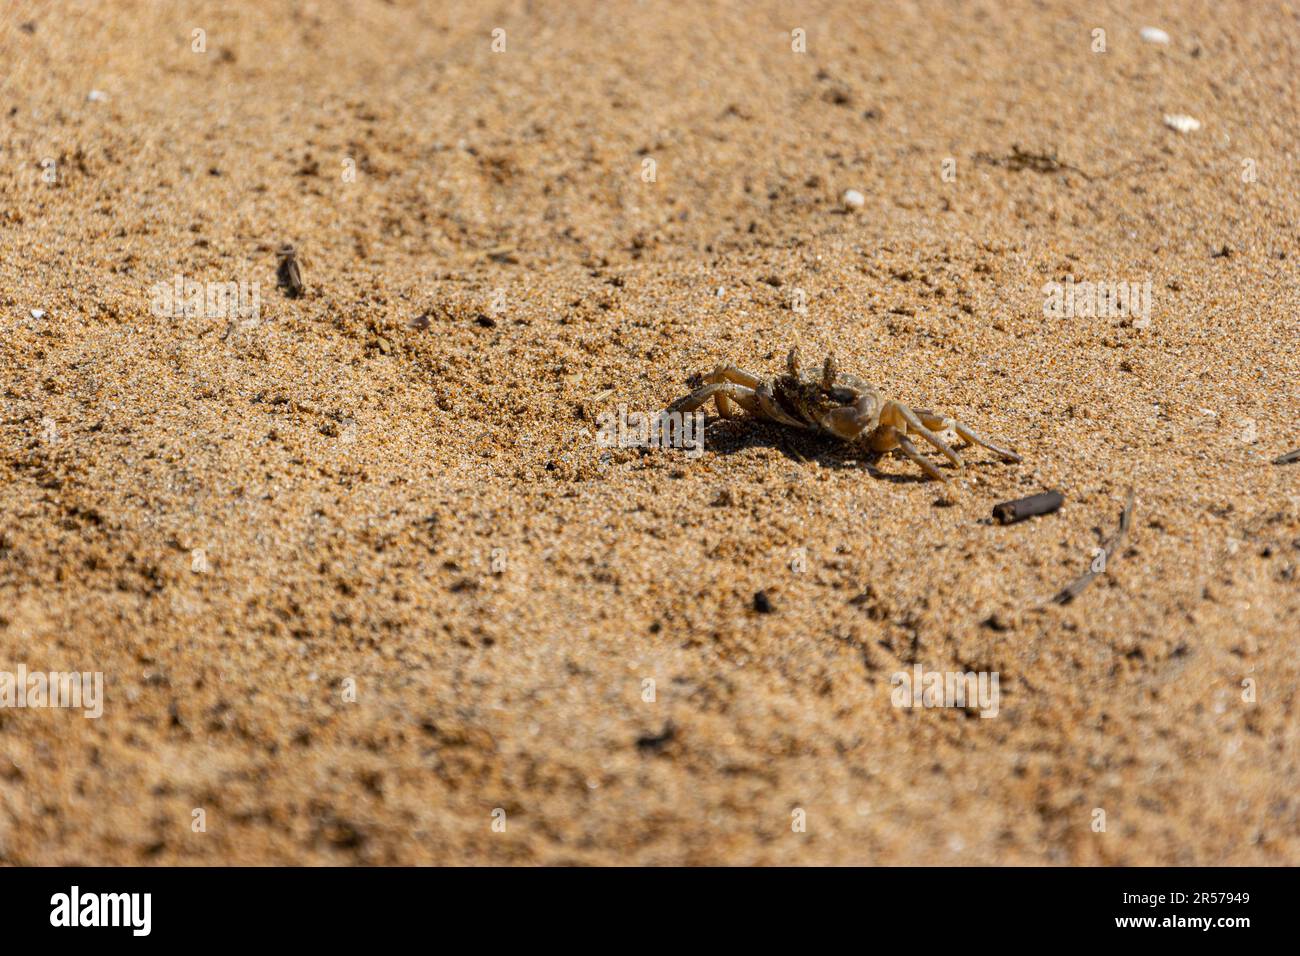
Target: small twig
{"type": "Point", "coordinates": [1044, 503]}
{"type": "Point", "coordinates": [1287, 458]}
{"type": "Point", "coordinates": [1110, 547]}
{"type": "Point", "coordinates": [288, 273]}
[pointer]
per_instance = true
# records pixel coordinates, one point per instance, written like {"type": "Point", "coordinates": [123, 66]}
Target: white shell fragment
{"type": "Point", "coordinates": [1155, 35]}
{"type": "Point", "coordinates": [854, 199]}
{"type": "Point", "coordinates": [38, 313]}
{"type": "Point", "coordinates": [97, 96]}
{"type": "Point", "coordinates": [1184, 124]}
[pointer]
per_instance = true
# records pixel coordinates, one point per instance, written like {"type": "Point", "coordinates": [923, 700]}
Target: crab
{"type": "Point", "coordinates": [836, 404]}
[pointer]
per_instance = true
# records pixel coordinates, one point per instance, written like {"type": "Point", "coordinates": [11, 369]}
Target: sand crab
{"type": "Point", "coordinates": [834, 403]}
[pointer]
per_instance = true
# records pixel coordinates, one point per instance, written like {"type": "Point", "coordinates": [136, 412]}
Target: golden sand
{"type": "Point", "coordinates": [359, 579]}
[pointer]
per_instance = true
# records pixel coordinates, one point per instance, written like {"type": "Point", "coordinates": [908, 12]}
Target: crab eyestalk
{"type": "Point", "coordinates": [828, 373]}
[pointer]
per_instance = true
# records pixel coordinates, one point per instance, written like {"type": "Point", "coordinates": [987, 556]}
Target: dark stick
{"type": "Point", "coordinates": [1043, 503]}
{"type": "Point", "coordinates": [289, 273]}
{"type": "Point", "coordinates": [1110, 547]}
{"type": "Point", "coordinates": [1287, 458]}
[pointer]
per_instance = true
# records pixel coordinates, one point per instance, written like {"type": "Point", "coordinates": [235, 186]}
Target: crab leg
{"type": "Point", "coordinates": [940, 423]}
{"type": "Point", "coordinates": [1006, 454]}
{"type": "Point", "coordinates": [909, 417]}
{"type": "Point", "coordinates": [907, 448]}
{"type": "Point", "coordinates": [738, 376]}
{"type": "Point", "coordinates": [720, 392]}
{"type": "Point", "coordinates": [730, 373]}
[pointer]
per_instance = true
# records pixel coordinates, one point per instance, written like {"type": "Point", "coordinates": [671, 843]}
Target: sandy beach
{"type": "Point", "coordinates": [363, 585]}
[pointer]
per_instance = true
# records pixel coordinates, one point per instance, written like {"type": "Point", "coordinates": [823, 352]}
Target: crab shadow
{"type": "Point", "coordinates": [730, 437]}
